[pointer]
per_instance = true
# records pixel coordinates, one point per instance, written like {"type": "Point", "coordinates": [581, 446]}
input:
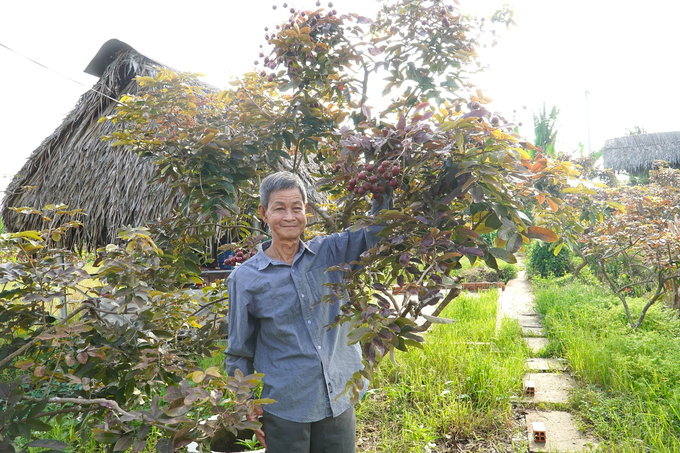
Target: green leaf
{"type": "Point", "coordinates": [192, 267]}
{"type": "Point", "coordinates": [493, 222]}
{"type": "Point", "coordinates": [503, 255]}
{"type": "Point", "coordinates": [615, 205]}
{"type": "Point", "coordinates": [437, 320]}
{"type": "Point", "coordinates": [514, 243]}
{"type": "Point", "coordinates": [505, 232]}
{"type": "Point", "coordinates": [163, 334]}
{"type": "Point", "coordinates": [38, 425]}
{"type": "Point", "coordinates": [356, 334]}
{"type": "Point", "coordinates": [48, 443]}
{"type": "Point", "coordinates": [105, 437]}
{"type": "Point", "coordinates": [165, 446]}
{"type": "Point", "coordinates": [178, 411]}
{"type": "Point", "coordinates": [124, 443]}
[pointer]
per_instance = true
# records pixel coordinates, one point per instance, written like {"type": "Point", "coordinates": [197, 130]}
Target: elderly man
{"type": "Point", "coordinates": [278, 325]}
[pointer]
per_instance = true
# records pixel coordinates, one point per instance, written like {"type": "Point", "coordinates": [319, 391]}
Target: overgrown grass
{"type": "Point", "coordinates": [459, 387]}
{"type": "Point", "coordinates": [631, 391]}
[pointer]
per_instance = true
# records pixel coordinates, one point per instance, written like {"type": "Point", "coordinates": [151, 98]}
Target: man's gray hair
{"type": "Point", "coordinates": [281, 180]}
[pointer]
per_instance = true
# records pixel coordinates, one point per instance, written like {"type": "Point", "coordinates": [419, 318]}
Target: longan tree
{"type": "Point", "coordinates": [453, 169]}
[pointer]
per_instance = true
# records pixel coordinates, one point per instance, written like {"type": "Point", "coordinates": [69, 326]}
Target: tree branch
{"type": "Point", "coordinates": [109, 404]}
{"type": "Point", "coordinates": [617, 292]}
{"type": "Point", "coordinates": [584, 263]}
{"type": "Point", "coordinates": [324, 215]}
{"type": "Point", "coordinates": [453, 293]}
{"type": "Point", "coordinates": [630, 285]}
{"type": "Point", "coordinates": [68, 410]}
{"type": "Point", "coordinates": [202, 307]}
{"type": "Point", "coordinates": [659, 292]}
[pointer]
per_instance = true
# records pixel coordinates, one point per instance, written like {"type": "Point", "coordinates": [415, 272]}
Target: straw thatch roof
{"type": "Point", "coordinates": [636, 153]}
{"type": "Point", "coordinates": [74, 166]}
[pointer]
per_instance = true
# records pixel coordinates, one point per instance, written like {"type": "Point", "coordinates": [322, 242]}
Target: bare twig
{"type": "Point", "coordinates": [390, 296]}
{"type": "Point", "coordinates": [584, 263]}
{"type": "Point", "coordinates": [660, 291]}
{"type": "Point", "coordinates": [324, 215]}
{"type": "Point", "coordinates": [641, 282]}
{"type": "Point", "coordinates": [617, 292]}
{"type": "Point", "coordinates": [202, 307]}
{"type": "Point", "coordinates": [109, 404]}
{"type": "Point", "coordinates": [68, 410]}
{"type": "Point", "coordinates": [453, 293]}
{"type": "Point", "coordinates": [49, 383]}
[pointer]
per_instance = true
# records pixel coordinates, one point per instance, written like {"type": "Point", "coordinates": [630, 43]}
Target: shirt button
{"type": "Point", "coordinates": [318, 347]}
{"type": "Point", "coordinates": [309, 321]}
{"type": "Point", "coordinates": [303, 296]}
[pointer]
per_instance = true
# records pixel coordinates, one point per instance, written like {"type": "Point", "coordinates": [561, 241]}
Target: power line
{"type": "Point", "coordinates": [41, 65]}
{"type": "Point", "coordinates": [57, 72]}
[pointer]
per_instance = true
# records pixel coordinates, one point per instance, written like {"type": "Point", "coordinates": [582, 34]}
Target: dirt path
{"type": "Point", "coordinates": [547, 382]}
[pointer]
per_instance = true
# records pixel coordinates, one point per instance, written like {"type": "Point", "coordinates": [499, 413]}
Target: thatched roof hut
{"type": "Point", "coordinates": [75, 167]}
{"type": "Point", "coordinates": [636, 153]}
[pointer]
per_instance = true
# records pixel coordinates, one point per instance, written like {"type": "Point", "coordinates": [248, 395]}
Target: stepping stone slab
{"type": "Point", "coordinates": [536, 344]}
{"type": "Point", "coordinates": [529, 321]}
{"type": "Point", "coordinates": [544, 365]}
{"type": "Point", "coordinates": [533, 332]}
{"type": "Point", "coordinates": [517, 297]}
{"type": "Point", "coordinates": [549, 387]}
{"type": "Point", "coordinates": [561, 433]}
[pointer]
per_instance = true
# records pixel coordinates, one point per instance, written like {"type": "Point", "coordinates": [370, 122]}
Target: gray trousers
{"type": "Point", "coordinates": [330, 435]}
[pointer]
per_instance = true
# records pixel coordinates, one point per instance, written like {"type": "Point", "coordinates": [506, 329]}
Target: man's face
{"type": "Point", "coordinates": [285, 214]}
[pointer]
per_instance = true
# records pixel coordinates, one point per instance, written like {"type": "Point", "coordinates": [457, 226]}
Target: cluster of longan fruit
{"type": "Point", "coordinates": [240, 255]}
{"type": "Point", "coordinates": [373, 178]}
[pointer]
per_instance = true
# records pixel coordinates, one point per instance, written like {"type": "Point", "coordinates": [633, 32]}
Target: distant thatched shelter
{"type": "Point", "coordinates": [634, 154]}
{"type": "Point", "coordinates": [74, 166]}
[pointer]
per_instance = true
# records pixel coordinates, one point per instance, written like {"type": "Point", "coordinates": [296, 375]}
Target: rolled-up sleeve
{"type": "Point", "coordinates": [242, 337]}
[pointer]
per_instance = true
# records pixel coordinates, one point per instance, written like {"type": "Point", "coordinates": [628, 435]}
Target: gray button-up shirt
{"type": "Point", "coordinates": [278, 325]}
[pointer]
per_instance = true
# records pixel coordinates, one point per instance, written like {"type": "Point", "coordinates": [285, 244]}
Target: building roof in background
{"type": "Point", "coordinates": [636, 153]}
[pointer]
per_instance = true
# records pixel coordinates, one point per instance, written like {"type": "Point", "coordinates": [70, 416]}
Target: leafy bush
{"type": "Point", "coordinates": [505, 273]}
{"type": "Point", "coordinates": [544, 263]}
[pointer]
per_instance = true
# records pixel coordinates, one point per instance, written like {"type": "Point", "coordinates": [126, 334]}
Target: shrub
{"type": "Point", "coordinates": [504, 273]}
{"type": "Point", "coordinates": [507, 272]}
{"type": "Point", "coordinates": [544, 263]}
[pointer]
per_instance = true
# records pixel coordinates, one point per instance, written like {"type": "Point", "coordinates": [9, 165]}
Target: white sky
{"type": "Point", "coordinates": [622, 52]}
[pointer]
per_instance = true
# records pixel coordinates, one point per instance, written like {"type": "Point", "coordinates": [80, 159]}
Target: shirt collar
{"type": "Point", "coordinates": [263, 260]}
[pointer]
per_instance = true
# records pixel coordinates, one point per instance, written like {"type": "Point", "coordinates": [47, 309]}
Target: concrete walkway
{"type": "Point", "coordinates": [547, 382]}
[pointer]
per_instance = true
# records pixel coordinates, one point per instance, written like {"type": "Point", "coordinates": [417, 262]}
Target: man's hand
{"type": "Point", "coordinates": [259, 434]}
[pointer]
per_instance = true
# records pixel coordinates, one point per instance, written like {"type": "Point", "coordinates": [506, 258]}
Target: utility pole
{"type": "Point", "coordinates": [590, 151]}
